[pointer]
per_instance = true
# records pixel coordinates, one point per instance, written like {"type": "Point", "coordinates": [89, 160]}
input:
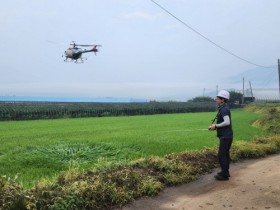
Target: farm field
{"type": "Point", "coordinates": [37, 149]}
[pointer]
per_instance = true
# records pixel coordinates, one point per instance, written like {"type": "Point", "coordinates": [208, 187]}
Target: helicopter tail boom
{"type": "Point", "coordinates": [94, 49]}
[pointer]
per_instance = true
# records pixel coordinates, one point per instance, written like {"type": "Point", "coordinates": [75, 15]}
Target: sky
{"type": "Point", "coordinates": [145, 53]}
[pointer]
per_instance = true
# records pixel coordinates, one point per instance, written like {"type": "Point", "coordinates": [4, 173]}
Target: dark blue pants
{"type": "Point", "coordinates": [224, 154]}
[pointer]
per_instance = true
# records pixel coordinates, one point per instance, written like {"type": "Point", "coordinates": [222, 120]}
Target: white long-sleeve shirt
{"type": "Point", "coordinates": [226, 122]}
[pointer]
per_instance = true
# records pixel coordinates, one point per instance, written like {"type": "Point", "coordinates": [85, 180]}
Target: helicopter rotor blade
{"type": "Point", "coordinates": [85, 45]}
{"type": "Point", "coordinates": [82, 45]}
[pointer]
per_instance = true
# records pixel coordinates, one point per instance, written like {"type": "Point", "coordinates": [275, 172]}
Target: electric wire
{"type": "Point", "coordinates": [212, 42]}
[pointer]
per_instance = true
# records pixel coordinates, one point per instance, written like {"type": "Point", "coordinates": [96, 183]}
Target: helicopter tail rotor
{"type": "Point", "coordinates": [94, 49]}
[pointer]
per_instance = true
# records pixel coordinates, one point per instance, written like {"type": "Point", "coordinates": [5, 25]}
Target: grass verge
{"type": "Point", "coordinates": [119, 185]}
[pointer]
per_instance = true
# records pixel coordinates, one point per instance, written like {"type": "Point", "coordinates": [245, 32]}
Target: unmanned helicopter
{"type": "Point", "coordinates": [75, 53]}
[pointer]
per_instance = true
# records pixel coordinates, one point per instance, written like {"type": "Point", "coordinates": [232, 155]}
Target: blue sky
{"type": "Point", "coordinates": [145, 52]}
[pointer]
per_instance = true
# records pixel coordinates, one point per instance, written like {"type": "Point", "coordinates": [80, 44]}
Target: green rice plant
{"type": "Point", "coordinates": [41, 149]}
{"type": "Point", "coordinates": [162, 160]}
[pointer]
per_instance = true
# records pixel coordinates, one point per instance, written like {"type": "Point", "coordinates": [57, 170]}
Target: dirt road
{"type": "Point", "coordinates": [254, 184]}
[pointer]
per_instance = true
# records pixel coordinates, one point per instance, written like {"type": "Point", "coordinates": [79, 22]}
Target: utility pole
{"type": "Point", "coordinates": [243, 92]}
{"type": "Point", "coordinates": [279, 75]}
{"type": "Point", "coordinates": [251, 91]}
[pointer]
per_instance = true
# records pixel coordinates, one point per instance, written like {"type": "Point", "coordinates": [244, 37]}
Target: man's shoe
{"type": "Point", "coordinates": [220, 177]}
{"type": "Point", "coordinates": [221, 174]}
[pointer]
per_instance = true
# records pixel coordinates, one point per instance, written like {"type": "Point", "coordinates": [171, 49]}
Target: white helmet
{"type": "Point", "coordinates": [223, 94]}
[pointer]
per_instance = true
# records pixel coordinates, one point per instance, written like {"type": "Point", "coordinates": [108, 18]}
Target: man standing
{"type": "Point", "coordinates": [224, 133]}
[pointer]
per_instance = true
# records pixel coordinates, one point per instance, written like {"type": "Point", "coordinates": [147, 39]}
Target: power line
{"type": "Point", "coordinates": [212, 42]}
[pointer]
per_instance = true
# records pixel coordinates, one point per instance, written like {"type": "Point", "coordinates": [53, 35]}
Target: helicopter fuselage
{"type": "Point", "coordinates": [74, 53]}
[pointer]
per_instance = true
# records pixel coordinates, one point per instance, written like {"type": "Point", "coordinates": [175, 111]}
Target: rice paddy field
{"type": "Point", "coordinates": [32, 150]}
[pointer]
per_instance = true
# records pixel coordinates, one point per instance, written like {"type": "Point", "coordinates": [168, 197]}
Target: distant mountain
{"type": "Point", "coordinates": [264, 82]}
{"type": "Point", "coordinates": [259, 77]}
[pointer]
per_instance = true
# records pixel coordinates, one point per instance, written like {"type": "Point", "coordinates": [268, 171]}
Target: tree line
{"type": "Point", "coordinates": [55, 110]}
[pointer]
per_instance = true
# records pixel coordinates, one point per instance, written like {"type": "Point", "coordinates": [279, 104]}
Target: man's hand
{"type": "Point", "coordinates": [212, 127]}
